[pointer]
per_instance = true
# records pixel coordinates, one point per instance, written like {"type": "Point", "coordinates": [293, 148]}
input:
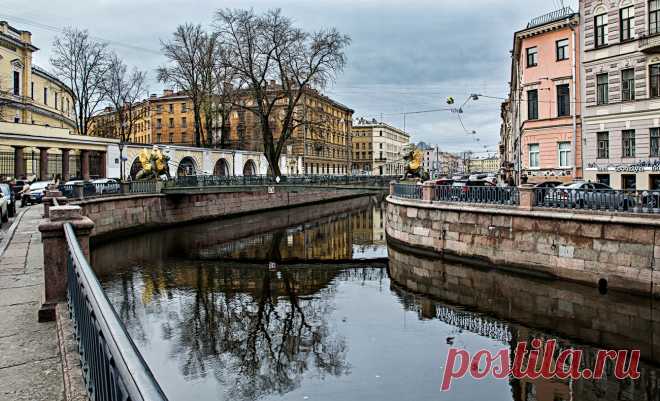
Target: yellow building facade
{"type": "Point", "coordinates": [32, 102]}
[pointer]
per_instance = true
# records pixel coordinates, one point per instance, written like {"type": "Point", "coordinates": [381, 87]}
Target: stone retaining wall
{"type": "Point", "coordinates": [582, 247]}
{"type": "Point", "coordinates": [116, 215]}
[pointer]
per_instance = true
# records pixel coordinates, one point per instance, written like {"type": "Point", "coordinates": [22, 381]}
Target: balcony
{"type": "Point", "coordinates": [649, 44]}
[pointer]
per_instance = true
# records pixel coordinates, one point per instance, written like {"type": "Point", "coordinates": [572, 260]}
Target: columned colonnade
{"type": "Point", "coordinates": [20, 168]}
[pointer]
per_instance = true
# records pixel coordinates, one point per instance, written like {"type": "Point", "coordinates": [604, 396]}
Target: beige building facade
{"type": "Point", "coordinates": [378, 148]}
{"type": "Point", "coordinates": [622, 74]}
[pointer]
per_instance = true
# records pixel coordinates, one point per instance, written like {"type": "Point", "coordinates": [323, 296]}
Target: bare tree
{"type": "Point", "coordinates": [81, 62]}
{"type": "Point", "coordinates": [123, 90]}
{"type": "Point", "coordinates": [186, 53]}
{"type": "Point", "coordinates": [266, 48]}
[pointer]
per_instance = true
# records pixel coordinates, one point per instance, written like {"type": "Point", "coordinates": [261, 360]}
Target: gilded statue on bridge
{"type": "Point", "coordinates": [154, 164]}
{"type": "Point", "coordinates": [414, 158]}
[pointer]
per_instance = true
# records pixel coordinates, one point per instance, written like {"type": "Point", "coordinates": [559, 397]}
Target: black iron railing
{"type": "Point", "coordinates": [550, 17]}
{"type": "Point", "coordinates": [467, 194]}
{"type": "Point", "coordinates": [112, 366]}
{"type": "Point", "coordinates": [629, 201]}
{"type": "Point", "coordinates": [408, 191]}
{"type": "Point", "coordinates": [209, 181]}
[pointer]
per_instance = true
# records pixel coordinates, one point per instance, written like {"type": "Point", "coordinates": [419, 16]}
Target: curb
{"type": "Point", "coordinates": [10, 232]}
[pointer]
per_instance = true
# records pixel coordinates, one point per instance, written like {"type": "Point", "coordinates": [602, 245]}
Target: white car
{"type": "Point", "coordinates": [37, 191]}
{"type": "Point", "coordinates": [5, 193]}
{"type": "Point", "coordinates": [106, 186]}
{"type": "Point", "coordinates": [4, 207]}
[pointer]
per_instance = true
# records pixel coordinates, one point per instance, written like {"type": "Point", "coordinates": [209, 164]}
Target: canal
{"type": "Point", "coordinates": [311, 304]}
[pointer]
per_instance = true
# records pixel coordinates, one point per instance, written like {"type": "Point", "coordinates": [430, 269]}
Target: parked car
{"type": "Point", "coordinates": [37, 191]}
{"type": "Point", "coordinates": [543, 188]}
{"type": "Point", "coordinates": [67, 189]}
{"type": "Point", "coordinates": [442, 181]}
{"type": "Point", "coordinates": [106, 186]}
{"type": "Point", "coordinates": [4, 208]}
{"type": "Point", "coordinates": [465, 190]}
{"type": "Point", "coordinates": [6, 192]}
{"type": "Point", "coordinates": [588, 195]}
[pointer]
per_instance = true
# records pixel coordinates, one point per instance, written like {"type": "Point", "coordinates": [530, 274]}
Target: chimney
{"type": "Point", "coordinates": [168, 92]}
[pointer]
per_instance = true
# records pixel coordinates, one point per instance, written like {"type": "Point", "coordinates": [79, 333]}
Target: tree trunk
{"type": "Point", "coordinates": [198, 128]}
{"type": "Point", "coordinates": [224, 134]}
{"type": "Point", "coordinates": [273, 161]}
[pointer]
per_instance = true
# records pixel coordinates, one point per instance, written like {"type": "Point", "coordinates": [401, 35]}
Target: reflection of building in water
{"type": "Point", "coordinates": [570, 310]}
{"type": "Point", "coordinates": [327, 239]}
{"type": "Point", "coordinates": [368, 226]}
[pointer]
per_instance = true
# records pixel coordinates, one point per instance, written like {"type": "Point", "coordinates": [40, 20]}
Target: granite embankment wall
{"type": "Point", "coordinates": [512, 308]}
{"type": "Point", "coordinates": [113, 216]}
{"type": "Point", "coordinates": [581, 247]}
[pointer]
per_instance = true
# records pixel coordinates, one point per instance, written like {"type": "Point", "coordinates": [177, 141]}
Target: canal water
{"type": "Point", "coordinates": [312, 304]}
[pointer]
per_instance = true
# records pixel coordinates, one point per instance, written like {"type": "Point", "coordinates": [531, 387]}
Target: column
{"type": "Point", "coordinates": [103, 164]}
{"type": "Point", "coordinates": [43, 164]}
{"type": "Point", "coordinates": [65, 165]}
{"type": "Point", "coordinates": [19, 162]}
{"type": "Point", "coordinates": [55, 250]}
{"type": "Point", "coordinates": [84, 164]}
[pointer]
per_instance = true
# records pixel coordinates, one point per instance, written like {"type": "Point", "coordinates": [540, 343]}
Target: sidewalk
{"type": "Point", "coordinates": [30, 358]}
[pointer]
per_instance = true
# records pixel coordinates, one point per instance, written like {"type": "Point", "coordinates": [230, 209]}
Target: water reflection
{"type": "Point", "coordinates": [215, 320]}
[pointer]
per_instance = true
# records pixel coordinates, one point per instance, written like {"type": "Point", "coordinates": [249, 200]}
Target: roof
{"type": "Point", "coordinates": [553, 16]}
{"type": "Point", "coordinates": [40, 71]}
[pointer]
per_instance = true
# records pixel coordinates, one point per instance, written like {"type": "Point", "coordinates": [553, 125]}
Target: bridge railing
{"type": "Point", "coordinates": [467, 194]}
{"type": "Point", "coordinates": [408, 191]}
{"type": "Point", "coordinates": [210, 181]}
{"type": "Point", "coordinates": [612, 200]}
{"type": "Point", "coordinates": [113, 368]}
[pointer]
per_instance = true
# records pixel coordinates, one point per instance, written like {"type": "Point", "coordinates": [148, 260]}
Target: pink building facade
{"type": "Point", "coordinates": [545, 88]}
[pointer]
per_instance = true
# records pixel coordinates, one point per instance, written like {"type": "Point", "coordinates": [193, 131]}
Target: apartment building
{"type": "Point", "coordinates": [438, 163]}
{"type": "Point", "coordinates": [622, 93]}
{"type": "Point", "coordinates": [541, 122]}
{"type": "Point", "coordinates": [378, 148]}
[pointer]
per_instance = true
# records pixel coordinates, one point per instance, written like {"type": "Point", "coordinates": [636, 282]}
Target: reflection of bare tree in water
{"type": "Point", "coordinates": [259, 341]}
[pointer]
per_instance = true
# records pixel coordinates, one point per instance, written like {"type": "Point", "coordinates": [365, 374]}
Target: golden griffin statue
{"type": "Point", "coordinates": [154, 164]}
{"type": "Point", "coordinates": [414, 158]}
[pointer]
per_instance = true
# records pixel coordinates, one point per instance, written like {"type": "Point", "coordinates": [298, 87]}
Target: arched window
{"type": "Point", "coordinates": [249, 168]}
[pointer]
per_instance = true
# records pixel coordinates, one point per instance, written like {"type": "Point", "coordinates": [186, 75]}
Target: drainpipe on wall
{"type": "Point", "coordinates": [575, 103]}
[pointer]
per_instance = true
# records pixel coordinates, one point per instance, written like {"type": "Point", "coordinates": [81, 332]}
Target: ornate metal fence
{"type": "Point", "coordinates": [408, 191]}
{"type": "Point", "coordinates": [207, 180]}
{"type": "Point", "coordinates": [599, 199]}
{"type": "Point", "coordinates": [467, 194]}
{"type": "Point", "coordinates": [113, 367]}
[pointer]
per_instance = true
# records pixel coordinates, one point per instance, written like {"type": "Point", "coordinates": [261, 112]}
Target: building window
{"type": "Point", "coordinates": [159, 109]}
{"type": "Point", "coordinates": [655, 142]}
{"type": "Point", "coordinates": [654, 17]}
{"type": "Point", "coordinates": [184, 122]}
{"type": "Point", "coordinates": [563, 101]}
{"type": "Point", "coordinates": [564, 154]}
{"type": "Point", "coordinates": [627, 18]}
{"type": "Point", "coordinates": [170, 108]}
{"type": "Point", "coordinates": [159, 123]}
{"type": "Point", "coordinates": [629, 181]}
{"type": "Point", "coordinates": [628, 84]}
{"type": "Point", "coordinates": [562, 49]}
{"type": "Point", "coordinates": [17, 83]}
{"type": "Point", "coordinates": [46, 96]}
{"type": "Point", "coordinates": [534, 155]}
{"type": "Point", "coordinates": [603, 179]}
{"type": "Point", "coordinates": [32, 90]}
{"type": "Point", "coordinates": [532, 57]}
{"type": "Point", "coordinates": [171, 123]}
{"type": "Point", "coordinates": [654, 75]}
{"type": "Point", "coordinates": [533, 104]}
{"type": "Point", "coordinates": [184, 108]}
{"type": "Point", "coordinates": [654, 182]}
{"type": "Point", "coordinates": [600, 24]}
{"type": "Point", "coordinates": [628, 143]}
{"type": "Point", "coordinates": [56, 100]}
{"type": "Point", "coordinates": [602, 89]}
{"type": "Point", "coordinates": [603, 145]}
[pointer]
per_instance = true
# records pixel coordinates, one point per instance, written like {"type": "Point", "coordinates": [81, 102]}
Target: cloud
{"type": "Point", "coordinates": [405, 56]}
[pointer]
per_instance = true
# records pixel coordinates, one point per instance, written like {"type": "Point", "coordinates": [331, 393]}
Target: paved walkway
{"type": "Point", "coordinates": [30, 358]}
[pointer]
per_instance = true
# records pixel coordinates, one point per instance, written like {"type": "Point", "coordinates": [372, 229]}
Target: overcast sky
{"type": "Point", "coordinates": [405, 56]}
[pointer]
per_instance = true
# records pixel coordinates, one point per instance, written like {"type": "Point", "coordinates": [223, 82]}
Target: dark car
{"type": "Point", "coordinates": [543, 188]}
